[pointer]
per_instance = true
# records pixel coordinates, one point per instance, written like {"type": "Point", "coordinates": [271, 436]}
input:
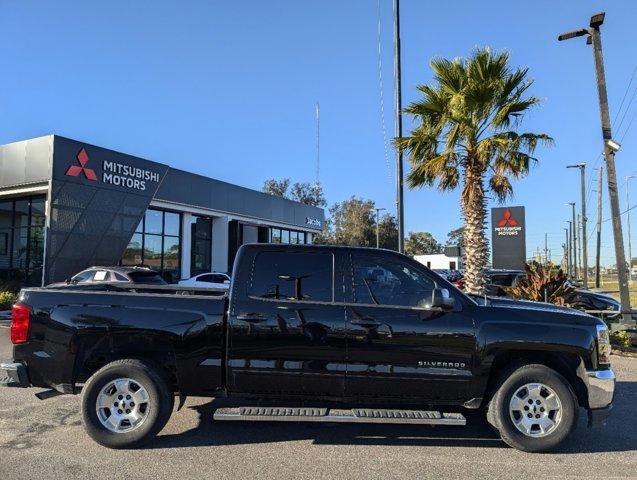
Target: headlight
{"type": "Point", "coordinates": [603, 345]}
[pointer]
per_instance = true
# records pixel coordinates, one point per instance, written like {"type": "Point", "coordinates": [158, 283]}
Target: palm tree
{"type": "Point", "coordinates": [467, 130]}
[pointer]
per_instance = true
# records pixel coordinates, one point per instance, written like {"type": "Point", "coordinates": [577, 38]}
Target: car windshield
{"type": "Point", "coordinates": [148, 278]}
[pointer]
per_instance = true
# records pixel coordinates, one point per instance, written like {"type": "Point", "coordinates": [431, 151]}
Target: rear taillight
{"type": "Point", "coordinates": [20, 320]}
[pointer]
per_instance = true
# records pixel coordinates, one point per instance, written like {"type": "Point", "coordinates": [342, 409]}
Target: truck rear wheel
{"type": "Point", "coordinates": [126, 403]}
{"type": "Point", "coordinates": [534, 408]}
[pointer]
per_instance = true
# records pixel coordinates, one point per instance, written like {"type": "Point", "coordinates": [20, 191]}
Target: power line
{"type": "Point", "coordinates": [382, 94]}
{"type": "Point", "coordinates": [625, 93]}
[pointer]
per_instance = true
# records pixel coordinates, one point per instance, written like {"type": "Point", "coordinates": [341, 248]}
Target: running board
{"type": "Point", "coordinates": [356, 415]}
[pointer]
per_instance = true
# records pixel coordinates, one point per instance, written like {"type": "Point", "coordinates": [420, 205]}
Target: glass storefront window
{"type": "Point", "coordinates": [22, 223]}
{"type": "Point", "coordinates": [279, 235]}
{"type": "Point", "coordinates": [171, 259]}
{"type": "Point", "coordinates": [153, 222]}
{"type": "Point", "coordinates": [157, 244]}
{"type": "Point", "coordinates": [152, 251]}
{"type": "Point", "coordinates": [133, 253]}
{"type": "Point", "coordinates": [171, 223]}
{"type": "Point", "coordinates": [200, 245]}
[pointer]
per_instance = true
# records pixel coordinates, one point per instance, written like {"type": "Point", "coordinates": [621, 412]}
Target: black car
{"type": "Point", "coordinates": [122, 274]}
{"type": "Point", "coordinates": [587, 300]}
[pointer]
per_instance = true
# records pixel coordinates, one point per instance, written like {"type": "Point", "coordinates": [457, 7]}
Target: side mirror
{"type": "Point", "coordinates": [440, 299]}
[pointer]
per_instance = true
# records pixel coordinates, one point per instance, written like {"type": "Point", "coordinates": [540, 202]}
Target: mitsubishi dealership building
{"type": "Point", "coordinates": [67, 205]}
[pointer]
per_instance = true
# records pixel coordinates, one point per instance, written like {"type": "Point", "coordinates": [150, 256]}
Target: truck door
{"type": "Point", "coordinates": [286, 334]}
{"type": "Point", "coordinates": [398, 346]}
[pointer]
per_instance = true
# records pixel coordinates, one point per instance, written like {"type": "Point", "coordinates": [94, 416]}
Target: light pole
{"type": "Point", "coordinates": [584, 252]}
{"type": "Point", "coordinates": [574, 230]}
{"type": "Point", "coordinates": [378, 210]}
{"type": "Point", "coordinates": [630, 246]}
{"type": "Point", "coordinates": [567, 255]}
{"type": "Point", "coordinates": [610, 148]}
{"type": "Point", "coordinates": [569, 239]}
{"type": "Point", "coordinates": [400, 210]}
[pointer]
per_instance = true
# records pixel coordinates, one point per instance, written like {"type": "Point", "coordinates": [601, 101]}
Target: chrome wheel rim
{"type": "Point", "coordinates": [122, 405]}
{"type": "Point", "coordinates": [535, 410]}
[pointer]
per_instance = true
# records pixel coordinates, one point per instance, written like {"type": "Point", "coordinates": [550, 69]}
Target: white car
{"type": "Point", "coordinates": [207, 280]}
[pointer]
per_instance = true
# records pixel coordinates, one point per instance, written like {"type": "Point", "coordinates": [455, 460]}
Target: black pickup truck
{"type": "Point", "coordinates": [317, 334]}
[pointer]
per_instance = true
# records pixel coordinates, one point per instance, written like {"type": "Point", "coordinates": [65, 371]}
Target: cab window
{"type": "Point", "coordinates": [293, 276]}
{"type": "Point", "coordinates": [390, 281]}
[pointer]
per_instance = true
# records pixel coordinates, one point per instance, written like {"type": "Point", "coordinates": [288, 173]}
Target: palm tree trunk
{"type": "Point", "coordinates": [476, 250]}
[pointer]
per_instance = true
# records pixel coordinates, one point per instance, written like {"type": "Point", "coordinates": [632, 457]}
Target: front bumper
{"type": "Point", "coordinates": [13, 375]}
{"type": "Point", "coordinates": [601, 388]}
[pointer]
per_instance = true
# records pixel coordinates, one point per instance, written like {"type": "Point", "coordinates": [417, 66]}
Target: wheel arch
{"type": "Point", "coordinates": [566, 364]}
{"type": "Point", "coordinates": [151, 348]}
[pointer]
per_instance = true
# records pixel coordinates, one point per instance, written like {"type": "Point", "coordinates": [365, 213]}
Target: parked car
{"type": "Point", "coordinates": [500, 278]}
{"type": "Point", "coordinates": [122, 274]}
{"type": "Point", "coordinates": [207, 280]}
{"type": "Point", "coordinates": [318, 334]}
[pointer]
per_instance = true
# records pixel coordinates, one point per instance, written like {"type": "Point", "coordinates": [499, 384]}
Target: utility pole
{"type": "Point", "coordinates": [598, 247]}
{"type": "Point", "coordinates": [574, 242]}
{"type": "Point", "coordinates": [630, 245]}
{"type": "Point", "coordinates": [579, 243]}
{"type": "Point", "coordinates": [570, 249]}
{"type": "Point", "coordinates": [567, 253]}
{"type": "Point", "coordinates": [400, 212]}
{"type": "Point", "coordinates": [378, 210]}
{"type": "Point", "coordinates": [610, 148]}
{"type": "Point", "coordinates": [546, 247]}
{"type": "Point", "coordinates": [584, 237]}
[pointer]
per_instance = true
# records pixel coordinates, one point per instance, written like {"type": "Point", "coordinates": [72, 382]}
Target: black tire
{"type": "Point", "coordinates": [499, 415]}
{"type": "Point", "coordinates": [159, 407]}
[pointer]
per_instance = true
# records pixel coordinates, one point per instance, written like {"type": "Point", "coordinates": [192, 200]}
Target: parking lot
{"type": "Point", "coordinates": [45, 439]}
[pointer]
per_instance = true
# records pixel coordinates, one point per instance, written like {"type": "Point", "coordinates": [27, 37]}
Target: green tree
{"type": "Point", "coordinates": [456, 237]}
{"type": "Point", "coordinates": [309, 194]}
{"type": "Point", "coordinates": [353, 222]}
{"type": "Point", "coordinates": [275, 187]}
{"type": "Point", "coordinates": [421, 243]}
{"type": "Point", "coordinates": [387, 232]}
{"type": "Point", "coordinates": [466, 134]}
{"type": "Point", "coordinates": [303, 192]}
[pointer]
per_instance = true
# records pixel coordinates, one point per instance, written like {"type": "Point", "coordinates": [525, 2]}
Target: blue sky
{"type": "Point", "coordinates": [227, 89]}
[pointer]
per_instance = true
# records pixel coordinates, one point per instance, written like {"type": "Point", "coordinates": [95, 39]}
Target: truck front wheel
{"type": "Point", "coordinates": [126, 403]}
{"type": "Point", "coordinates": [534, 408]}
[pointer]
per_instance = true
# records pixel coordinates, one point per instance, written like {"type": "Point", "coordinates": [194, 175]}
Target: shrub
{"type": "Point", "coordinates": [542, 284]}
{"type": "Point", "coordinates": [7, 299]}
{"type": "Point", "coordinates": [621, 338]}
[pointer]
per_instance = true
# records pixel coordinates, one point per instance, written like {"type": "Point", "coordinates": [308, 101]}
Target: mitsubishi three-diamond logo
{"type": "Point", "coordinates": [508, 226]}
{"type": "Point", "coordinates": [508, 220]}
{"type": "Point", "coordinates": [75, 170]}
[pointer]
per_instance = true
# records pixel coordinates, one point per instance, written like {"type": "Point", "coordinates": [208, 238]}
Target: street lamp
{"type": "Point", "coordinates": [593, 37]}
{"type": "Point", "coordinates": [584, 252]}
{"type": "Point", "coordinates": [574, 241]}
{"type": "Point", "coordinates": [378, 210]}
{"type": "Point", "coordinates": [630, 249]}
{"type": "Point", "coordinates": [571, 252]}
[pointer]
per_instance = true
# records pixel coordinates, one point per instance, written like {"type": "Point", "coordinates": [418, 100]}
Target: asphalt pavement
{"type": "Point", "coordinates": [45, 439]}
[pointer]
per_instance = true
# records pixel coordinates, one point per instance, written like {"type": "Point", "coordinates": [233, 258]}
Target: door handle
{"type": "Point", "coordinates": [252, 318]}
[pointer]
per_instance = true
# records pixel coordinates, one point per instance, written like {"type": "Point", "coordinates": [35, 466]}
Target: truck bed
{"type": "Point", "coordinates": [74, 330]}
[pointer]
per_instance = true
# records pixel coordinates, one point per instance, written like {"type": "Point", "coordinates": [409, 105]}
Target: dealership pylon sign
{"type": "Point", "coordinates": [508, 237]}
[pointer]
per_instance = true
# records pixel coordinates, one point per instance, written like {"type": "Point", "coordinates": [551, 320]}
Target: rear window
{"type": "Point", "coordinates": [148, 278]}
{"type": "Point", "coordinates": [293, 276]}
